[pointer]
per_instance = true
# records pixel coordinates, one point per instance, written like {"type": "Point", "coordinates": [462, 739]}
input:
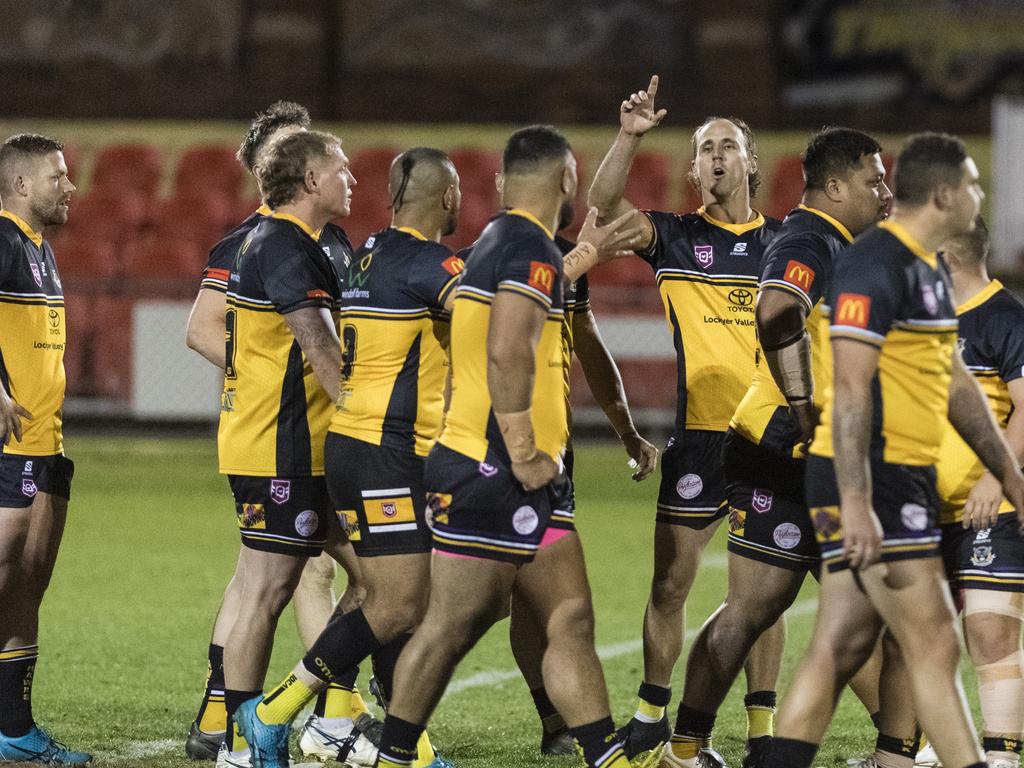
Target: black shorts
{"type": "Point", "coordinates": [284, 515]}
{"type": "Point", "coordinates": [992, 558]}
{"type": "Point", "coordinates": [692, 490]}
{"type": "Point", "coordinates": [478, 509]}
{"type": "Point", "coordinates": [768, 519]}
{"type": "Point", "coordinates": [904, 497]}
{"type": "Point", "coordinates": [22, 477]}
{"type": "Point", "coordinates": [379, 496]}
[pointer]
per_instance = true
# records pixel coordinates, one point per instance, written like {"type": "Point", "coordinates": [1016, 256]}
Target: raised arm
{"type": "Point", "coordinates": [855, 366]}
{"type": "Point", "coordinates": [205, 330]}
{"type": "Point", "coordinates": [314, 330]}
{"type": "Point", "coordinates": [971, 417]}
{"type": "Point", "coordinates": [516, 325]}
{"type": "Point", "coordinates": [605, 384]}
{"type": "Point", "coordinates": [781, 319]}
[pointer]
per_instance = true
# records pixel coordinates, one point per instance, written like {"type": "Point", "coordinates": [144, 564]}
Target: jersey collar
{"type": "Point", "coordinates": [530, 217]}
{"type": "Point", "coordinates": [830, 219]}
{"type": "Point", "coordinates": [980, 297]}
{"type": "Point", "coordinates": [264, 210]}
{"type": "Point", "coordinates": [23, 225]}
{"type": "Point", "coordinates": [736, 229]}
{"type": "Point", "coordinates": [900, 232]}
{"type": "Point", "coordinates": [315, 234]}
{"type": "Point", "coordinates": [413, 231]}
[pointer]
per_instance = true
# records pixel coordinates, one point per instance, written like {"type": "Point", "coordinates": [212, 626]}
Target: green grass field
{"type": "Point", "coordinates": [151, 542]}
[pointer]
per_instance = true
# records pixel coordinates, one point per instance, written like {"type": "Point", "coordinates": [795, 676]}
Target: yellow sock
{"type": "Point", "coordinates": [619, 761]}
{"type": "Point", "coordinates": [358, 705]}
{"type": "Point", "coordinates": [760, 722]}
{"type": "Point", "coordinates": [649, 713]}
{"type": "Point", "coordinates": [284, 702]}
{"type": "Point", "coordinates": [238, 742]}
{"type": "Point", "coordinates": [337, 701]}
{"type": "Point", "coordinates": [684, 747]}
{"type": "Point", "coordinates": [215, 715]}
{"type": "Point", "coordinates": [424, 752]}
{"type": "Point", "coordinates": [383, 762]}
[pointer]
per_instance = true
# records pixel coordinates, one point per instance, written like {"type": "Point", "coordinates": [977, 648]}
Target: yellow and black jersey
{"type": "Point", "coordinates": [274, 413]}
{"type": "Point", "coordinates": [514, 253]}
{"type": "Point", "coordinates": [222, 255]}
{"type": "Point", "coordinates": [32, 335]}
{"type": "Point", "coordinates": [887, 291]}
{"type": "Point", "coordinates": [707, 275]}
{"type": "Point", "coordinates": [799, 261]}
{"type": "Point", "coordinates": [991, 340]}
{"type": "Point", "coordinates": [393, 324]}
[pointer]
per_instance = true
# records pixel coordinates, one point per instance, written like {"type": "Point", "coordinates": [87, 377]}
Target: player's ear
{"type": "Point", "coordinates": [567, 181]}
{"type": "Point", "coordinates": [835, 189]}
{"type": "Point", "coordinates": [753, 165]}
{"type": "Point", "coordinates": [448, 198]}
{"type": "Point", "coordinates": [311, 180]}
{"type": "Point", "coordinates": [499, 182]}
{"type": "Point", "coordinates": [943, 197]}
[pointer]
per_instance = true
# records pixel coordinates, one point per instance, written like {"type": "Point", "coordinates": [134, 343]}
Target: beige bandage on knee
{"type": "Point", "coordinates": [1001, 690]}
{"type": "Point", "coordinates": [991, 601]}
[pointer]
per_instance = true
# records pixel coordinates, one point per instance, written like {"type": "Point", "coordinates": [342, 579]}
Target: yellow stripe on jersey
{"type": "Point", "coordinates": [24, 226]}
{"type": "Point", "coordinates": [736, 229]}
{"type": "Point", "coordinates": [530, 217]}
{"type": "Point", "coordinates": [830, 219]}
{"type": "Point", "coordinates": [466, 424]}
{"type": "Point", "coordinates": [713, 317]}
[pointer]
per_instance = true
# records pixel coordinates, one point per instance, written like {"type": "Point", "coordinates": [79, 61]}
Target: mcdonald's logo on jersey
{"type": "Point", "coordinates": [853, 309]}
{"type": "Point", "coordinates": [800, 275]}
{"type": "Point", "coordinates": [453, 265]}
{"type": "Point", "coordinates": [542, 277]}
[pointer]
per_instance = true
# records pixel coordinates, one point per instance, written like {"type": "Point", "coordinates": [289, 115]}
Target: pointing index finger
{"type": "Point", "coordinates": [652, 89]}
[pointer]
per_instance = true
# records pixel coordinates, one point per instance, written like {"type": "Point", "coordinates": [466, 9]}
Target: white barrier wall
{"type": "Point", "coordinates": [1008, 183]}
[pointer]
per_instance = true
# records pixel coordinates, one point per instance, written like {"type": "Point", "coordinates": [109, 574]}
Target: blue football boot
{"type": "Point", "coordinates": [268, 744]}
{"type": "Point", "coordinates": [37, 746]}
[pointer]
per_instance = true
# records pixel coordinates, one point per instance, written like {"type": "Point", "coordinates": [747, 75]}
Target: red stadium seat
{"type": "Point", "coordinates": [78, 314]}
{"type": "Point", "coordinates": [787, 186]}
{"type": "Point", "coordinates": [135, 167]}
{"type": "Point", "coordinates": [163, 267]}
{"type": "Point", "coordinates": [647, 187]}
{"type": "Point", "coordinates": [198, 217]}
{"type": "Point", "coordinates": [112, 347]}
{"type": "Point", "coordinates": [209, 168]}
{"type": "Point", "coordinates": [111, 215]}
{"type": "Point", "coordinates": [370, 199]}
{"type": "Point", "coordinates": [84, 260]}
{"type": "Point", "coordinates": [630, 271]}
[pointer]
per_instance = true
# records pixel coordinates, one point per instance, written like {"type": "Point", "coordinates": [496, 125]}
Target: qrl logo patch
{"type": "Point", "coordinates": [28, 487]}
{"type": "Point", "coordinates": [799, 275]}
{"type": "Point", "coordinates": [705, 255]}
{"type": "Point", "coordinates": [542, 277]}
{"type": "Point", "coordinates": [487, 470]}
{"type": "Point", "coordinates": [853, 309]}
{"type": "Point", "coordinates": [280, 491]}
{"type": "Point", "coordinates": [453, 265]}
{"type": "Point", "coordinates": [389, 508]}
{"type": "Point", "coordinates": [761, 501]}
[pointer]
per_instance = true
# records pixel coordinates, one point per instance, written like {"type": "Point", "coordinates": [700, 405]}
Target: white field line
{"type": "Point", "coordinates": [138, 750]}
{"type": "Point", "coordinates": [605, 652]}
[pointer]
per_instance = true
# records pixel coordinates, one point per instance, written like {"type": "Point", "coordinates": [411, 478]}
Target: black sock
{"type": "Point", "coordinates": [978, 765]}
{"type": "Point", "coordinates": [212, 707]}
{"type": "Point", "coordinates": [550, 719]}
{"type": "Point", "coordinates": [789, 753]}
{"type": "Point", "coordinates": [398, 743]}
{"type": "Point", "coordinates": [1000, 744]}
{"type": "Point", "coordinates": [345, 641]}
{"type": "Point", "coordinates": [234, 699]}
{"type": "Point", "coordinates": [876, 718]}
{"type": "Point", "coordinates": [215, 658]}
{"type": "Point", "coordinates": [761, 699]}
{"type": "Point", "coordinates": [599, 743]}
{"type": "Point", "coordinates": [657, 695]}
{"type": "Point", "coordinates": [385, 659]}
{"type": "Point", "coordinates": [693, 723]}
{"type": "Point", "coordinates": [896, 746]}
{"type": "Point", "coordinates": [17, 668]}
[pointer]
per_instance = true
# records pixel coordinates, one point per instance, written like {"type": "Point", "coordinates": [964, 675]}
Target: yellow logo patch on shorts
{"type": "Point", "coordinates": [389, 511]}
{"type": "Point", "coordinates": [349, 521]}
{"type": "Point", "coordinates": [437, 508]}
{"type": "Point", "coordinates": [252, 517]}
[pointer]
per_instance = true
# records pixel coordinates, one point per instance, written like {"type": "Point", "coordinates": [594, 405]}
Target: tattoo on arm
{"type": "Point", "coordinates": [852, 443]}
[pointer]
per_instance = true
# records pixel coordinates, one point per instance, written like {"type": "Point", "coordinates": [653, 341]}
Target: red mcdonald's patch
{"type": "Point", "coordinates": [853, 309]}
{"type": "Point", "coordinates": [542, 277]}
{"type": "Point", "coordinates": [799, 274]}
{"type": "Point", "coordinates": [453, 265]}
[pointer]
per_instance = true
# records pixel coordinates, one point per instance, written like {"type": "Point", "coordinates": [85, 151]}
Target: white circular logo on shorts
{"type": "Point", "coordinates": [689, 486]}
{"type": "Point", "coordinates": [914, 517]}
{"type": "Point", "coordinates": [525, 520]}
{"type": "Point", "coordinates": [306, 523]}
{"type": "Point", "coordinates": [787, 535]}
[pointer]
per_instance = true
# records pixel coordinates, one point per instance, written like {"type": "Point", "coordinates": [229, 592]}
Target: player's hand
{"type": "Point", "coordinates": [11, 415]}
{"type": "Point", "coordinates": [615, 239]}
{"type": "Point", "coordinates": [862, 535]}
{"type": "Point", "coordinates": [982, 508]}
{"type": "Point", "coordinates": [643, 454]}
{"type": "Point", "coordinates": [1013, 490]}
{"type": "Point", "coordinates": [637, 114]}
{"type": "Point", "coordinates": [351, 598]}
{"type": "Point", "coordinates": [806, 417]}
{"type": "Point", "coordinates": [535, 473]}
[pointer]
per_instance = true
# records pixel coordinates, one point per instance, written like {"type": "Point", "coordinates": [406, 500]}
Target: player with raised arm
{"type": "Point", "coordinates": [314, 596]}
{"type": "Point", "coordinates": [871, 471]}
{"type": "Point", "coordinates": [706, 265]}
{"type": "Point", "coordinates": [394, 330]}
{"type": "Point", "coordinates": [771, 541]}
{"type": "Point", "coordinates": [35, 475]}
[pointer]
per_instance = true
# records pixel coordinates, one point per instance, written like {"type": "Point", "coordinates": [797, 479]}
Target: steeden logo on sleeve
{"type": "Point", "coordinates": [853, 309]}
